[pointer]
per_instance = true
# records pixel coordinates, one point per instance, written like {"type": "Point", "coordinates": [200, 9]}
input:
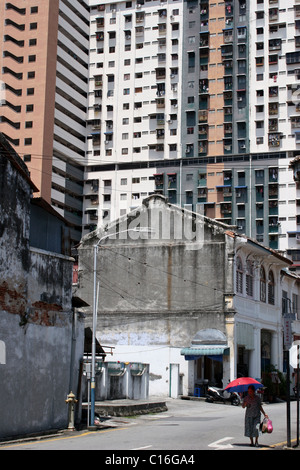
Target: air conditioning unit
{"type": "Point", "coordinates": [242, 147]}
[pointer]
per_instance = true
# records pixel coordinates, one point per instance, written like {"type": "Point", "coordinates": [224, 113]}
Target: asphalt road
{"type": "Point", "coordinates": [187, 427]}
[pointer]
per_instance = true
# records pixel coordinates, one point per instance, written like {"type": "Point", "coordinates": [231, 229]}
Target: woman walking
{"type": "Point", "coordinates": [252, 403]}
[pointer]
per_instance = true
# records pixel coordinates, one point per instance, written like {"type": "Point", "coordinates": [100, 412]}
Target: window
{"type": "Point", "coordinates": [239, 276]}
{"type": "Point", "coordinates": [271, 289]}
{"type": "Point", "coordinates": [262, 284]}
{"type": "Point", "coordinates": [249, 279]}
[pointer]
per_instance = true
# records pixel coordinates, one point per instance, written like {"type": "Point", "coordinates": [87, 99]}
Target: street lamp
{"type": "Point", "coordinates": [95, 307]}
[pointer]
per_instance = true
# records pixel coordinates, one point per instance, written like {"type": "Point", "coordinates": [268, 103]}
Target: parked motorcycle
{"type": "Point", "coordinates": [215, 394]}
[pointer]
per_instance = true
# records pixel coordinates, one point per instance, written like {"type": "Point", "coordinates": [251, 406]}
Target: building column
{"type": "Point", "coordinates": [255, 355]}
{"type": "Point", "coordinates": [276, 356]}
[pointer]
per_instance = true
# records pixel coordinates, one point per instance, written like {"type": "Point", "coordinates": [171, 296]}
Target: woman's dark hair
{"type": "Point", "coordinates": [251, 388]}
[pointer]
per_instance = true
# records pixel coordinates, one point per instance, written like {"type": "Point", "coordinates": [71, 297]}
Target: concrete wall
{"type": "Point", "coordinates": [41, 337]}
{"type": "Point", "coordinates": [118, 380]}
{"type": "Point", "coordinates": [41, 367]}
{"type": "Point", "coordinates": [157, 291]}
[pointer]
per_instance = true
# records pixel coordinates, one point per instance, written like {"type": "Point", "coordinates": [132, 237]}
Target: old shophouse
{"type": "Point", "coordinates": [187, 295]}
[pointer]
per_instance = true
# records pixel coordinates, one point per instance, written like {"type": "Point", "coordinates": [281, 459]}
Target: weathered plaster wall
{"type": "Point", "coordinates": [157, 291]}
{"type": "Point", "coordinates": [37, 328]}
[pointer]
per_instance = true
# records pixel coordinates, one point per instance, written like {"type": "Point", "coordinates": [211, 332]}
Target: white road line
{"type": "Point", "coordinates": [141, 448]}
{"type": "Point", "coordinates": [217, 445]}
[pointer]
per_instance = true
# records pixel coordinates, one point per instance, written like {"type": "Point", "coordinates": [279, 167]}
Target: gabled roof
{"type": "Point", "coordinates": [106, 229]}
{"type": "Point", "coordinates": [229, 230]}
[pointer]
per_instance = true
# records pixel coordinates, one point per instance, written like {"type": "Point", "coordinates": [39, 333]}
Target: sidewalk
{"type": "Point", "coordinates": [105, 411]}
{"type": "Point", "coordinates": [128, 407]}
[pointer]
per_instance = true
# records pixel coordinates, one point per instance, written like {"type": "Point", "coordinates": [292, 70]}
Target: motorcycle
{"type": "Point", "coordinates": [215, 394]}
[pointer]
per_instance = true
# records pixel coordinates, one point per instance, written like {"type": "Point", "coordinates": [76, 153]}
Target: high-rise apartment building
{"type": "Point", "coordinates": [111, 101]}
{"type": "Point", "coordinates": [196, 100]}
{"type": "Point", "coordinates": [44, 73]}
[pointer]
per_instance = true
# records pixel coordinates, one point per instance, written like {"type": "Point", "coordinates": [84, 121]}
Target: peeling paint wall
{"type": "Point", "coordinates": [36, 319]}
{"type": "Point", "coordinates": [156, 292]}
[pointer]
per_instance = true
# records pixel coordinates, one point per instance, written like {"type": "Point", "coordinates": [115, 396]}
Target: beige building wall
{"type": "Point", "coordinates": [216, 103]}
{"type": "Point", "coordinates": [28, 33]}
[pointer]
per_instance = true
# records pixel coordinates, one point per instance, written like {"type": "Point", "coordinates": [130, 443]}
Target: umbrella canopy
{"type": "Point", "coordinates": [241, 385]}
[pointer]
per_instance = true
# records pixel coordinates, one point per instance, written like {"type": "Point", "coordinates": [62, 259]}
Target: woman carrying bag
{"type": "Point", "coordinates": [252, 403]}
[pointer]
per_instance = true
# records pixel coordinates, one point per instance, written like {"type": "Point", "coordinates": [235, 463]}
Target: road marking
{"type": "Point", "coordinates": [217, 445]}
{"type": "Point", "coordinates": [141, 448]}
{"type": "Point", "coordinates": [41, 441]}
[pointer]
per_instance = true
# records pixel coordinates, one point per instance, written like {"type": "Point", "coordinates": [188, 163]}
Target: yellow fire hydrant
{"type": "Point", "coordinates": [71, 402]}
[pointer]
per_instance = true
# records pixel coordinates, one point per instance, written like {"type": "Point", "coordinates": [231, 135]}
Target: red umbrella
{"type": "Point", "coordinates": [242, 384]}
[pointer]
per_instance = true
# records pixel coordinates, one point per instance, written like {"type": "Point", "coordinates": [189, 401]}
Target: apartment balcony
{"type": "Point", "coordinates": [226, 209]}
{"type": "Point", "coordinates": [203, 132]}
{"type": "Point", "coordinates": [172, 196]}
{"type": "Point", "coordinates": [273, 191]}
{"type": "Point", "coordinates": [273, 242]}
{"type": "Point", "coordinates": [204, 41]}
{"type": "Point", "coordinates": [295, 122]}
{"type": "Point", "coordinates": [259, 211]}
{"type": "Point", "coordinates": [241, 194]}
{"type": "Point", "coordinates": [275, 44]}
{"type": "Point", "coordinates": [203, 86]}
{"type": "Point", "coordinates": [160, 102]}
{"type": "Point", "coordinates": [273, 175]}
{"type": "Point", "coordinates": [227, 98]}
{"type": "Point", "coordinates": [159, 181]}
{"type": "Point", "coordinates": [274, 228]}
{"type": "Point", "coordinates": [100, 22]}
{"type": "Point", "coordinates": [274, 140]}
{"type": "Point", "coordinates": [228, 114]}
{"type": "Point", "coordinates": [229, 9]}
{"type": "Point", "coordinates": [228, 130]}
{"type": "Point", "coordinates": [273, 109]}
{"type": "Point", "coordinates": [228, 36]}
{"type": "Point", "coordinates": [273, 14]}
{"type": "Point", "coordinates": [259, 227]}
{"type": "Point", "coordinates": [202, 194]}
{"type": "Point", "coordinates": [202, 148]}
{"type": "Point", "coordinates": [202, 181]}
{"type": "Point", "coordinates": [227, 51]}
{"type": "Point", "coordinates": [259, 192]}
{"type": "Point", "coordinates": [202, 116]}
{"type": "Point", "coordinates": [273, 207]}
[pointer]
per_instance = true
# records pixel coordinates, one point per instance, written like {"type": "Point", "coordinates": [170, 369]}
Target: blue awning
{"type": "Point", "coordinates": [209, 350]}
